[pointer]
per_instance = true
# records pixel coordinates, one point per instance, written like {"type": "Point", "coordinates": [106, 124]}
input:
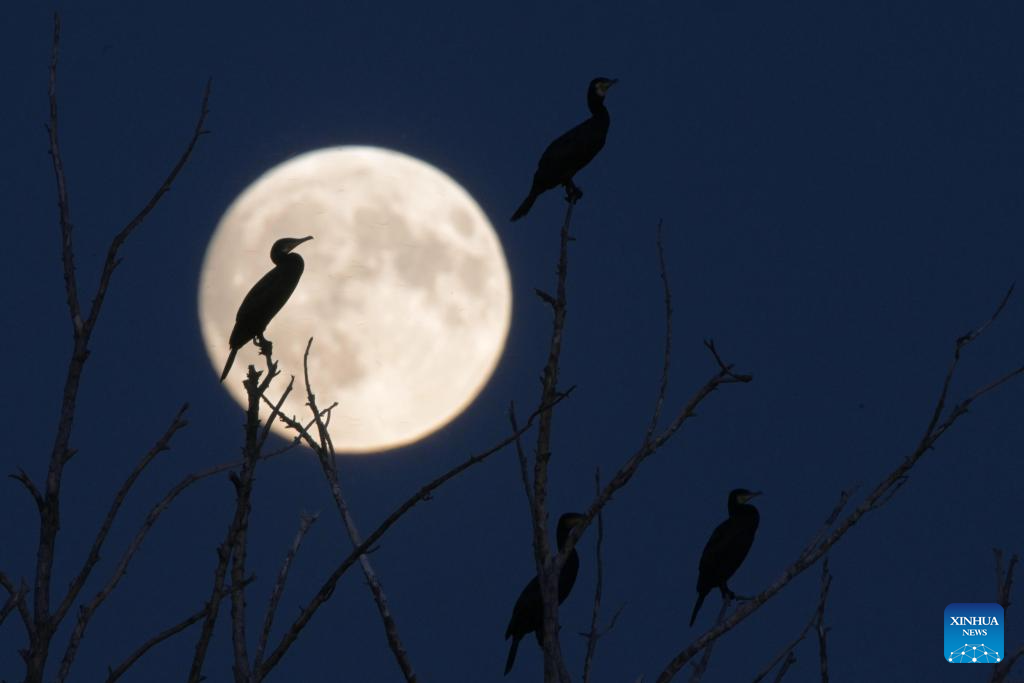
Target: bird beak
{"type": "Point", "coordinates": [752, 494]}
{"type": "Point", "coordinates": [611, 82]}
{"type": "Point", "coordinates": [298, 241]}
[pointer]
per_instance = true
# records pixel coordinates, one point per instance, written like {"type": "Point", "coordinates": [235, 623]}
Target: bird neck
{"type": "Point", "coordinates": [595, 103]}
{"type": "Point", "coordinates": [742, 510]}
{"type": "Point", "coordinates": [288, 258]}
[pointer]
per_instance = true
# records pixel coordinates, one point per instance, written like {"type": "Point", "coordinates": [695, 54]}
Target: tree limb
{"type": "Point", "coordinates": [882, 492]}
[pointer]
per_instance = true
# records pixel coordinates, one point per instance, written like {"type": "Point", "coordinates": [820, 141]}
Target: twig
{"type": "Point", "coordinates": [826, 582]}
{"type": "Point", "coordinates": [162, 444]}
{"type": "Point", "coordinates": [700, 667]}
{"type": "Point", "coordinates": [592, 634]}
{"type": "Point", "coordinates": [784, 669]}
{"type": "Point", "coordinates": [424, 493]}
{"type": "Point", "coordinates": [724, 375]}
{"type": "Point", "coordinates": [16, 600]}
{"type": "Point", "coordinates": [275, 596]}
{"type": "Point", "coordinates": [1004, 586]}
{"type": "Point", "coordinates": [937, 426]}
{"type": "Point", "coordinates": [524, 464]}
{"type": "Point", "coordinates": [114, 673]}
{"type": "Point", "coordinates": [324, 448]}
{"type": "Point", "coordinates": [26, 481]}
{"type": "Point", "coordinates": [86, 611]}
{"type": "Point", "coordinates": [667, 357]}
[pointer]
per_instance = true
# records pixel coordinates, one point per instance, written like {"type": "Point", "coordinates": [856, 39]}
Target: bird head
{"type": "Point", "coordinates": [600, 86]}
{"type": "Point", "coordinates": [286, 244]}
{"type": "Point", "coordinates": [566, 523]}
{"type": "Point", "coordinates": [742, 496]}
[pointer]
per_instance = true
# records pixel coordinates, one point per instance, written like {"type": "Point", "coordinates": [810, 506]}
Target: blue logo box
{"type": "Point", "coordinates": [973, 633]}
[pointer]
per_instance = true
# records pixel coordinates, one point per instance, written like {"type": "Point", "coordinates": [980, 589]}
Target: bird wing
{"type": "Point", "coordinates": [527, 612]}
{"type": "Point", "coordinates": [261, 304]}
{"type": "Point", "coordinates": [725, 551]}
{"type": "Point", "coordinates": [570, 152]}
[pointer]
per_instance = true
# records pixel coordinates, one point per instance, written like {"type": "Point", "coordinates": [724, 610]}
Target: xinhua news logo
{"type": "Point", "coordinates": [973, 633]}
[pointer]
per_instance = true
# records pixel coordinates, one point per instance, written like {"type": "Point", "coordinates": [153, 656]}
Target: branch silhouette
{"type": "Point", "coordinates": [941, 421]}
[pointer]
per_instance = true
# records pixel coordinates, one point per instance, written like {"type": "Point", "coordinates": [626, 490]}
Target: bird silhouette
{"type": "Point", "coordinates": [266, 297]}
{"type": "Point", "coordinates": [727, 548]}
{"type": "Point", "coordinates": [528, 614]}
{"type": "Point", "coordinates": [564, 157]}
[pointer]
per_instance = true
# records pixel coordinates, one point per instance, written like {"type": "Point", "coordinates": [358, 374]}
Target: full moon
{"type": "Point", "coordinates": [406, 292]}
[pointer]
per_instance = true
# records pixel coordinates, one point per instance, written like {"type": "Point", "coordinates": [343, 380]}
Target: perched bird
{"type": "Point", "coordinates": [572, 151]}
{"type": "Point", "coordinates": [727, 547]}
{"type": "Point", "coordinates": [528, 614]}
{"type": "Point", "coordinates": [266, 297]}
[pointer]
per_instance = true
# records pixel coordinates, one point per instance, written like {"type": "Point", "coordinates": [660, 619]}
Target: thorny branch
{"type": "Point", "coordinates": [882, 492]}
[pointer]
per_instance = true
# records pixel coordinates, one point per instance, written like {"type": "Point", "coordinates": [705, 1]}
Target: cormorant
{"type": "Point", "coordinates": [266, 297]}
{"type": "Point", "coordinates": [572, 151]}
{"type": "Point", "coordinates": [528, 614]}
{"type": "Point", "coordinates": [727, 547]}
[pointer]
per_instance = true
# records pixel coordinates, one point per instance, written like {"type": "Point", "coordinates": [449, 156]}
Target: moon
{"type": "Point", "coordinates": [406, 292]}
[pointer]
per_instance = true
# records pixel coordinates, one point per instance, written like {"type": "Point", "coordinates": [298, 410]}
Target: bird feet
{"type": "Point", "coordinates": [572, 192]}
{"type": "Point", "coordinates": [265, 346]}
{"type": "Point", "coordinates": [729, 595]}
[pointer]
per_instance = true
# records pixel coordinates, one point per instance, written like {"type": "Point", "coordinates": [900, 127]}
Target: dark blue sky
{"type": "Point", "coordinates": [841, 193]}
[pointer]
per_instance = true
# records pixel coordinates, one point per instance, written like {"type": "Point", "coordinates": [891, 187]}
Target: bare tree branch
{"type": "Point", "coordinates": [524, 463]}
{"type": "Point", "coordinates": [882, 492]}
{"type": "Point", "coordinates": [162, 444]}
{"type": "Point", "coordinates": [114, 673]}
{"type": "Point", "coordinates": [547, 571]}
{"type": "Point", "coordinates": [1004, 586]}
{"type": "Point", "coordinates": [595, 613]}
{"type": "Point", "coordinates": [112, 259]}
{"type": "Point", "coordinates": [44, 623]}
{"type": "Point", "coordinates": [86, 611]}
{"type": "Point", "coordinates": [424, 493]}
{"type": "Point", "coordinates": [667, 357]}
{"type": "Point", "coordinates": [784, 669]}
{"type": "Point", "coordinates": [323, 446]}
{"type": "Point", "coordinates": [26, 481]}
{"type": "Point", "coordinates": [826, 582]}
{"type": "Point", "coordinates": [724, 375]}
{"type": "Point", "coordinates": [63, 204]}
{"type": "Point", "coordinates": [275, 596]}
{"type": "Point", "coordinates": [16, 600]}
{"type": "Point", "coordinates": [700, 667]}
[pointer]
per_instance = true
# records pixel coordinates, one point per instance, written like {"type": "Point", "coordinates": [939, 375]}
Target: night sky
{"type": "Point", "coordinates": [840, 188]}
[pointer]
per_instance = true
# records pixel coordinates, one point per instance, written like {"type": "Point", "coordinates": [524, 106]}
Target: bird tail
{"type": "Point", "coordinates": [696, 608]}
{"type": "Point", "coordinates": [512, 654]}
{"type": "Point", "coordinates": [525, 207]}
{"type": "Point", "coordinates": [227, 366]}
